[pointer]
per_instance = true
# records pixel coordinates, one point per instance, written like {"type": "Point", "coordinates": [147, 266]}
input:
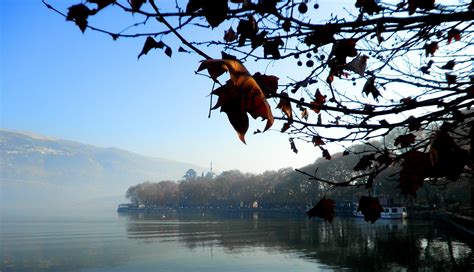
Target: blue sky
{"type": "Point", "coordinates": [59, 82]}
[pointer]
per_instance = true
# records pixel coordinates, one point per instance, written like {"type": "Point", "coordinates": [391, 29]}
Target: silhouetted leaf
{"type": "Point", "coordinates": [285, 127]}
{"type": "Point", "coordinates": [79, 14]}
{"type": "Point", "coordinates": [230, 35]}
{"type": "Point", "coordinates": [150, 43]}
{"type": "Point", "coordinates": [168, 51]}
{"type": "Point", "coordinates": [413, 124]}
{"type": "Point", "coordinates": [323, 209]}
{"type": "Point", "coordinates": [384, 122]}
{"type": "Point", "coordinates": [293, 146]}
{"type": "Point", "coordinates": [416, 166]}
{"type": "Point", "coordinates": [318, 101]}
{"type": "Point", "coordinates": [268, 83]}
{"type": "Point", "coordinates": [405, 140]}
{"type": "Point", "coordinates": [326, 154]}
{"type": "Point", "coordinates": [182, 50]}
{"type": "Point", "coordinates": [447, 158]}
{"type": "Point", "coordinates": [258, 39]}
{"type": "Point", "coordinates": [449, 65]}
{"type": "Point", "coordinates": [247, 29]}
{"type": "Point", "coordinates": [365, 162]}
{"type": "Point", "coordinates": [385, 158]}
{"type": "Point", "coordinates": [370, 207]}
{"type": "Point", "coordinates": [454, 34]}
{"type": "Point", "coordinates": [344, 48]}
{"type": "Point", "coordinates": [321, 36]}
{"type": "Point", "coordinates": [136, 4]}
{"type": "Point", "coordinates": [215, 11]}
{"type": "Point", "coordinates": [408, 101]}
{"type": "Point", "coordinates": [426, 69]}
{"type": "Point", "coordinates": [430, 48]}
{"type": "Point", "coordinates": [369, 88]}
{"type": "Point", "coordinates": [451, 79]}
{"type": "Point", "coordinates": [271, 48]}
{"type": "Point", "coordinates": [286, 26]}
{"type": "Point", "coordinates": [317, 141]}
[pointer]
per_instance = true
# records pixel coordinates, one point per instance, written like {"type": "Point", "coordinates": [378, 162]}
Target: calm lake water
{"type": "Point", "coordinates": [253, 242]}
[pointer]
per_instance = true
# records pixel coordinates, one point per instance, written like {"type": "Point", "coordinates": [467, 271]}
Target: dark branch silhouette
{"type": "Point", "coordinates": [379, 68]}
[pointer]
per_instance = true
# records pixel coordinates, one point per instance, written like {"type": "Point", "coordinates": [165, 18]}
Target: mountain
{"type": "Point", "coordinates": [37, 169]}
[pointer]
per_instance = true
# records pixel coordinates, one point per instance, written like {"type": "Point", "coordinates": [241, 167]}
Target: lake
{"type": "Point", "coordinates": [240, 242]}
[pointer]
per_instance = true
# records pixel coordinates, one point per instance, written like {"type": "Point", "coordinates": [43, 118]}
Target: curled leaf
{"type": "Point", "coordinates": [285, 106]}
{"type": "Point", "coordinates": [293, 146]}
{"type": "Point", "coordinates": [285, 127]}
{"type": "Point", "coordinates": [304, 114]}
{"type": "Point", "coordinates": [239, 96]}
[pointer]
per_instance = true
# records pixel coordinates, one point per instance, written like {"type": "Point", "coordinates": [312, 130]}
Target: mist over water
{"type": "Point", "coordinates": [237, 242]}
{"type": "Point", "coordinates": [46, 200]}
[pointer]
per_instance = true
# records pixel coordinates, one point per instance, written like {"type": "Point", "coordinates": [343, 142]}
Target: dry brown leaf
{"type": "Point", "coordinates": [239, 96]}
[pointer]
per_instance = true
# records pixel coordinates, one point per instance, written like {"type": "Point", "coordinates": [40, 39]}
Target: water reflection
{"type": "Point", "coordinates": [60, 245]}
{"type": "Point", "coordinates": [346, 243]}
{"type": "Point", "coordinates": [239, 242]}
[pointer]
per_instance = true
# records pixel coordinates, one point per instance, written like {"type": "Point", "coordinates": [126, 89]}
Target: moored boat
{"type": "Point", "coordinates": [389, 212]}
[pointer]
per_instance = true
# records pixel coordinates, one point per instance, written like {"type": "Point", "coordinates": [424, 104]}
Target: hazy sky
{"type": "Point", "coordinates": [59, 82]}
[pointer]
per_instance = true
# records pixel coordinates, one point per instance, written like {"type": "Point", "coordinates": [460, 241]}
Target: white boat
{"type": "Point", "coordinates": [393, 212]}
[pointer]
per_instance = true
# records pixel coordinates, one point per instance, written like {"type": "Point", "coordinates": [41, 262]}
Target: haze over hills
{"type": "Point", "coordinates": [39, 172]}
